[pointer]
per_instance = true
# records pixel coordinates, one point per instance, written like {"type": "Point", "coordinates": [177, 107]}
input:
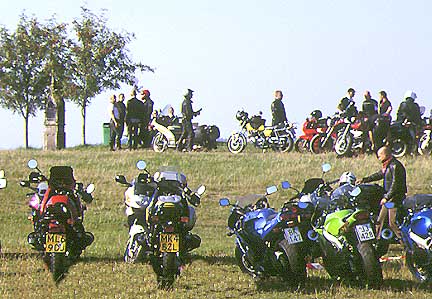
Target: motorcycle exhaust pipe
{"type": "Point", "coordinates": [422, 243]}
{"type": "Point", "coordinates": [312, 235]}
{"type": "Point", "coordinates": [387, 234]}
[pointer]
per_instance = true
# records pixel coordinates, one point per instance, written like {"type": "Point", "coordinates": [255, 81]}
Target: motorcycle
{"type": "Point", "coordinates": [57, 216]}
{"type": "Point", "coordinates": [347, 239]}
{"type": "Point", "coordinates": [261, 239]}
{"type": "Point", "coordinates": [425, 141]}
{"type": "Point", "coordinates": [416, 231]}
{"type": "Point", "coordinates": [352, 137]}
{"type": "Point", "coordinates": [311, 127]}
{"type": "Point", "coordinates": [280, 137]}
{"type": "Point", "coordinates": [164, 234]}
{"type": "Point", "coordinates": [168, 132]}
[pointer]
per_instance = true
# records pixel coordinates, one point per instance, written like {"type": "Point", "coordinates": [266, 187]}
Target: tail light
{"type": "Point", "coordinates": [184, 219]}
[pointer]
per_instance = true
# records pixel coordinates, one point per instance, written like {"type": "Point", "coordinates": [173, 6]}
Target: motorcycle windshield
{"type": "Point", "coordinates": [247, 200]}
{"type": "Point", "coordinates": [170, 173]}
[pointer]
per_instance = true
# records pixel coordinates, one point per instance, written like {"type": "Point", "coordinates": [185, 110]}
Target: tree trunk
{"type": "Point", "coordinates": [83, 113]}
{"type": "Point", "coordinates": [26, 120]}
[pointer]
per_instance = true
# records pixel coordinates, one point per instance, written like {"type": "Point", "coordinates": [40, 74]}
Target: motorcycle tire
{"type": "Point", "coordinates": [425, 146]}
{"type": "Point", "coordinates": [159, 143]}
{"type": "Point", "coordinates": [169, 271]}
{"type": "Point", "coordinates": [399, 148]}
{"type": "Point", "coordinates": [56, 263]}
{"type": "Point", "coordinates": [242, 263]}
{"type": "Point", "coordinates": [372, 272]}
{"type": "Point", "coordinates": [133, 252]}
{"type": "Point", "coordinates": [422, 274]}
{"type": "Point", "coordinates": [343, 145]}
{"type": "Point", "coordinates": [296, 271]}
{"type": "Point", "coordinates": [236, 143]}
{"type": "Point", "coordinates": [301, 145]}
{"type": "Point", "coordinates": [316, 147]}
{"type": "Point", "coordinates": [381, 247]}
{"type": "Point", "coordinates": [285, 145]}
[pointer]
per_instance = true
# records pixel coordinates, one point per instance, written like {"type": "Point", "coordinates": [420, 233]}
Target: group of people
{"type": "Point", "coordinates": [137, 114]}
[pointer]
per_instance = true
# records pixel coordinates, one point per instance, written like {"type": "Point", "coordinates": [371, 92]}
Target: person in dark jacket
{"type": "Point", "coordinates": [148, 110]}
{"type": "Point", "coordinates": [121, 107]}
{"type": "Point", "coordinates": [134, 115]}
{"type": "Point", "coordinates": [409, 111]}
{"type": "Point", "coordinates": [278, 109]}
{"type": "Point", "coordinates": [394, 175]}
{"type": "Point", "coordinates": [370, 110]}
{"type": "Point", "coordinates": [187, 129]}
{"type": "Point", "coordinates": [347, 104]}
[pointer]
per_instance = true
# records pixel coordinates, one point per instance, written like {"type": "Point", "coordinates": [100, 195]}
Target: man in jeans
{"type": "Point", "coordinates": [394, 175]}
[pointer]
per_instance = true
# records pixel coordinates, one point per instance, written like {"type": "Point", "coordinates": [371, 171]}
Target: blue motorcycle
{"type": "Point", "coordinates": [416, 230]}
{"type": "Point", "coordinates": [261, 247]}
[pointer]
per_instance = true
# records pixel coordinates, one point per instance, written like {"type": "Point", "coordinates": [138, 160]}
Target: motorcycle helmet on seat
{"type": "Point", "coordinates": [317, 114]}
{"type": "Point", "coordinates": [347, 178]}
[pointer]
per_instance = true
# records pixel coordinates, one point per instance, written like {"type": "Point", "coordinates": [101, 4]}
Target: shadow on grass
{"type": "Point", "coordinates": [313, 285]}
{"type": "Point", "coordinates": [19, 255]}
{"type": "Point", "coordinates": [400, 285]}
{"type": "Point", "coordinates": [215, 260]}
{"type": "Point", "coordinates": [101, 259]}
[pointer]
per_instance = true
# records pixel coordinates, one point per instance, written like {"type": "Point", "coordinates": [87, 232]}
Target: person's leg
{"type": "Point", "coordinates": [113, 134]}
{"type": "Point", "coordinates": [131, 135]}
{"type": "Point", "coordinates": [182, 137]}
{"type": "Point", "coordinates": [120, 129]}
{"type": "Point", "coordinates": [189, 136]}
{"type": "Point", "coordinates": [380, 221]}
{"type": "Point", "coordinates": [392, 213]}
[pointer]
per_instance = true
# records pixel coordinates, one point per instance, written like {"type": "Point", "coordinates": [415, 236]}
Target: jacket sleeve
{"type": "Point", "coordinates": [374, 177]}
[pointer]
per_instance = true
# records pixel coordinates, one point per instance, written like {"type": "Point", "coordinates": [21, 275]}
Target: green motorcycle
{"type": "Point", "coordinates": [346, 237]}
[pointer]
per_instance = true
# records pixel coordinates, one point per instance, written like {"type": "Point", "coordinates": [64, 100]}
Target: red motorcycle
{"type": "Point", "coordinates": [57, 216]}
{"type": "Point", "coordinates": [313, 125]}
{"type": "Point", "coordinates": [323, 142]}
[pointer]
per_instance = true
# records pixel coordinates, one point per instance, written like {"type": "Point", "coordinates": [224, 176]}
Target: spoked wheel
{"type": "Point", "coordinates": [286, 144]}
{"type": "Point", "coordinates": [343, 144]}
{"type": "Point", "coordinates": [160, 143]}
{"type": "Point", "coordinates": [422, 273]}
{"type": "Point", "coordinates": [301, 145]}
{"type": "Point", "coordinates": [316, 145]}
{"type": "Point", "coordinates": [399, 148]}
{"type": "Point", "coordinates": [425, 145]}
{"type": "Point", "coordinates": [236, 143]}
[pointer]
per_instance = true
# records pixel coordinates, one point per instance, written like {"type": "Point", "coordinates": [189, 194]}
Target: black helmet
{"type": "Point", "coordinates": [316, 114]}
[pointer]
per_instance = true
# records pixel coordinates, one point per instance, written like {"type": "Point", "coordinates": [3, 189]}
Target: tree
{"type": "Point", "coordinates": [101, 60]}
{"type": "Point", "coordinates": [23, 83]}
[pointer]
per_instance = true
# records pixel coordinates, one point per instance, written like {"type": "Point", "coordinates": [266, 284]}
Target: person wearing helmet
{"type": "Point", "coordinates": [394, 174]}
{"type": "Point", "coordinates": [347, 104]}
{"type": "Point", "coordinates": [187, 129]}
{"type": "Point", "coordinates": [147, 112]}
{"type": "Point", "coordinates": [409, 111]}
{"type": "Point", "coordinates": [278, 109]}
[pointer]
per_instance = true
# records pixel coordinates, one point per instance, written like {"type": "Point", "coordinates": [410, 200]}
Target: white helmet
{"type": "Point", "coordinates": [347, 177]}
{"type": "Point", "coordinates": [410, 94]}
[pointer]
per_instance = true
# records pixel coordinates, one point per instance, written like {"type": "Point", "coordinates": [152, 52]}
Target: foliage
{"type": "Point", "coordinates": [213, 272]}
{"type": "Point", "coordinates": [101, 60]}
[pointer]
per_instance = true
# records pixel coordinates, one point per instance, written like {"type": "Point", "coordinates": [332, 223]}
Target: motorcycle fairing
{"type": "Point", "coordinates": [261, 221]}
{"type": "Point", "coordinates": [166, 132]}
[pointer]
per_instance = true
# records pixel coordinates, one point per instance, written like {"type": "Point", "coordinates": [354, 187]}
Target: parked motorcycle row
{"type": "Point", "coordinates": [336, 224]}
{"type": "Point", "coordinates": [343, 135]}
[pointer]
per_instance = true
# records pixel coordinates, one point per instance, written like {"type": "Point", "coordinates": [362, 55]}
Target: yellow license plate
{"type": "Point", "coordinates": [55, 243]}
{"type": "Point", "coordinates": [169, 243]}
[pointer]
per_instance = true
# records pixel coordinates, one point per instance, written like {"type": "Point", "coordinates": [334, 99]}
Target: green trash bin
{"type": "Point", "coordinates": [106, 133]}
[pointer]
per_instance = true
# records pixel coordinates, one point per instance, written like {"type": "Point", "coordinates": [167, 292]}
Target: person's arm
{"type": "Point", "coordinates": [373, 177]}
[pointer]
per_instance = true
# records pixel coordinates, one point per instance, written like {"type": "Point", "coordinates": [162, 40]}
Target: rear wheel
{"type": "Point", "coordinates": [301, 145]}
{"type": "Point", "coordinates": [343, 144]}
{"type": "Point", "coordinates": [286, 144]}
{"type": "Point", "coordinates": [372, 272]}
{"type": "Point", "coordinates": [425, 145]}
{"type": "Point", "coordinates": [399, 148]}
{"type": "Point", "coordinates": [169, 271]}
{"type": "Point", "coordinates": [160, 143]}
{"type": "Point", "coordinates": [57, 265]}
{"type": "Point", "coordinates": [297, 263]}
{"type": "Point", "coordinates": [236, 143]}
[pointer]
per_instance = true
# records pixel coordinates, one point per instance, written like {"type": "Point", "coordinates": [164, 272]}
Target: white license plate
{"type": "Point", "coordinates": [293, 235]}
{"type": "Point", "coordinates": [364, 232]}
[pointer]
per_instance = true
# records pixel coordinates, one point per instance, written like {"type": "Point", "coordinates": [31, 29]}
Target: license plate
{"type": "Point", "coordinates": [293, 235]}
{"type": "Point", "coordinates": [364, 232]}
{"type": "Point", "coordinates": [169, 243]}
{"type": "Point", "coordinates": [55, 243]}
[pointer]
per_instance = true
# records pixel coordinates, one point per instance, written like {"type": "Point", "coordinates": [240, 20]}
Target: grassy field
{"type": "Point", "coordinates": [101, 273]}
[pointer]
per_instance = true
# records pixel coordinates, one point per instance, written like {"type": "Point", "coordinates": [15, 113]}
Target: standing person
{"type": "Point", "coordinates": [370, 110]}
{"type": "Point", "coordinates": [384, 107]}
{"type": "Point", "coordinates": [278, 109]}
{"type": "Point", "coordinates": [394, 174]}
{"type": "Point", "coordinates": [409, 111]}
{"type": "Point", "coordinates": [114, 118]}
{"type": "Point", "coordinates": [148, 110]}
{"type": "Point", "coordinates": [122, 115]}
{"type": "Point", "coordinates": [187, 129]}
{"type": "Point", "coordinates": [347, 104]}
{"type": "Point", "coordinates": [134, 113]}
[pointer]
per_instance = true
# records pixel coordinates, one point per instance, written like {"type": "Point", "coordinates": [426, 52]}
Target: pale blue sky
{"type": "Point", "coordinates": [234, 54]}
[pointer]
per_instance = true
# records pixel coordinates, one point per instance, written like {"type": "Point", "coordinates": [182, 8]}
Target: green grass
{"type": "Point", "coordinates": [213, 273]}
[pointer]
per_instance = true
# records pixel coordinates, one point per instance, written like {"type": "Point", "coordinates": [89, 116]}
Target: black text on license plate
{"type": "Point", "coordinates": [169, 243]}
{"type": "Point", "coordinates": [364, 232]}
{"type": "Point", "coordinates": [55, 243]}
{"type": "Point", "coordinates": [293, 235]}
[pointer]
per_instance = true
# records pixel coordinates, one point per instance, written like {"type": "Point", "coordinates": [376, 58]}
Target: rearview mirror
{"type": "Point", "coordinates": [223, 202]}
{"type": "Point", "coordinates": [286, 185]}
{"type": "Point", "coordinates": [90, 188]}
{"type": "Point", "coordinates": [201, 189]}
{"type": "Point", "coordinates": [303, 205]}
{"type": "Point", "coordinates": [121, 179]}
{"type": "Point", "coordinates": [271, 190]}
{"type": "Point", "coordinates": [326, 167]}
{"type": "Point", "coordinates": [355, 192]}
{"type": "Point", "coordinates": [389, 205]}
{"type": "Point", "coordinates": [32, 164]}
{"type": "Point", "coordinates": [141, 165]}
{"type": "Point", "coordinates": [2, 174]}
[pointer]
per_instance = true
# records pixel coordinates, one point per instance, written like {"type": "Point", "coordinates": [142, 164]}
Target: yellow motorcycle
{"type": "Point", "coordinates": [279, 138]}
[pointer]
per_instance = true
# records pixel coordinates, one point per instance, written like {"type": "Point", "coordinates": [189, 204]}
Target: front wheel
{"type": "Point", "coordinates": [301, 145]}
{"type": "Point", "coordinates": [420, 272]}
{"type": "Point", "coordinates": [372, 272]}
{"type": "Point", "coordinates": [286, 144]}
{"type": "Point", "coordinates": [160, 143]}
{"type": "Point", "coordinates": [399, 148]}
{"type": "Point", "coordinates": [236, 143]}
{"type": "Point", "coordinates": [343, 144]}
{"type": "Point", "coordinates": [133, 251]}
{"type": "Point", "coordinates": [316, 145]}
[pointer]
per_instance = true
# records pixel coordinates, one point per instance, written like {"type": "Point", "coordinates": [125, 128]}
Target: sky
{"type": "Point", "coordinates": [235, 53]}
